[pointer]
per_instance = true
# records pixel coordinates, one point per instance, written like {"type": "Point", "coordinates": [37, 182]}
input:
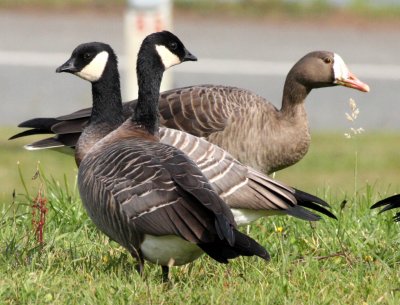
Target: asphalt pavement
{"type": "Point", "coordinates": [250, 54]}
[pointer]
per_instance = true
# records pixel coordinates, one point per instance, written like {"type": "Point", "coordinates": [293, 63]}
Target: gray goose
{"type": "Point", "coordinates": [148, 196]}
{"type": "Point", "coordinates": [248, 193]}
{"type": "Point", "coordinates": [246, 125]}
{"type": "Point", "coordinates": [390, 203]}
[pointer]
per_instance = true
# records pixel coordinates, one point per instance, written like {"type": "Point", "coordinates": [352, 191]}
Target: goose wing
{"type": "Point", "coordinates": [240, 186]}
{"type": "Point", "coordinates": [204, 109]}
{"type": "Point", "coordinates": [155, 189]}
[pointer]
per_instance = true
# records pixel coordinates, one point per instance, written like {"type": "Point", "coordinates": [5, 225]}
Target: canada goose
{"type": "Point", "coordinates": [250, 194]}
{"type": "Point", "coordinates": [246, 125]}
{"type": "Point", "coordinates": [148, 196]}
{"type": "Point", "coordinates": [389, 203]}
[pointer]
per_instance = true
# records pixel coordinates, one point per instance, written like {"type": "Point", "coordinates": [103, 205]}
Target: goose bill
{"type": "Point", "coordinates": [189, 56]}
{"type": "Point", "coordinates": [68, 66]}
{"type": "Point", "coordinates": [352, 81]}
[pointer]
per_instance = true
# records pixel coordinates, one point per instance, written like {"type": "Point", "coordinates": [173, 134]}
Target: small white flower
{"type": "Point", "coordinates": [352, 117]}
{"type": "Point", "coordinates": [352, 104]}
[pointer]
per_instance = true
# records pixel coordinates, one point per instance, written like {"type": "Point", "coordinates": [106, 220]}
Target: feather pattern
{"type": "Point", "coordinates": [240, 186]}
{"type": "Point", "coordinates": [135, 187]}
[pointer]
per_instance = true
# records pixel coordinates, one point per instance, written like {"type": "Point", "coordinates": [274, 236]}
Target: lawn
{"type": "Point", "coordinates": [354, 260]}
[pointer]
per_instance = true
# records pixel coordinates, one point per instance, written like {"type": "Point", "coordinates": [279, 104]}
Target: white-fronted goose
{"type": "Point", "coordinates": [390, 203]}
{"type": "Point", "coordinates": [148, 196]}
{"type": "Point", "coordinates": [249, 193]}
{"type": "Point", "coordinates": [246, 125]}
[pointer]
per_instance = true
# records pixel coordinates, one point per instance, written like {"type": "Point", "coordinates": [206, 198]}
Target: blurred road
{"type": "Point", "coordinates": [252, 55]}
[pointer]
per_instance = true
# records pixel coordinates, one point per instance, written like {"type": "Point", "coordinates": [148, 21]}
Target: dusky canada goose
{"type": "Point", "coordinates": [390, 203]}
{"type": "Point", "coordinates": [148, 196]}
{"type": "Point", "coordinates": [250, 194]}
{"type": "Point", "coordinates": [245, 124]}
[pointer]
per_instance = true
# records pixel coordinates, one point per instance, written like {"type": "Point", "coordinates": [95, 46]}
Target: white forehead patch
{"type": "Point", "coordinates": [93, 71]}
{"type": "Point", "coordinates": [168, 58]}
{"type": "Point", "coordinates": [340, 69]}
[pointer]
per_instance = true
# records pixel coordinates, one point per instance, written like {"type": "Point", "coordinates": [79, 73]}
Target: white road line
{"type": "Point", "coordinates": [204, 66]}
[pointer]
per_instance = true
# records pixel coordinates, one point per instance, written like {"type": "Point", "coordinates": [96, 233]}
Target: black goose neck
{"type": "Point", "coordinates": [107, 101]}
{"type": "Point", "coordinates": [149, 74]}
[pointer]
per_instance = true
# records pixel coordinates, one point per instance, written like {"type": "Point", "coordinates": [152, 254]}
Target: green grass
{"type": "Point", "coordinates": [354, 260]}
{"type": "Point", "coordinates": [61, 166]}
{"type": "Point", "coordinates": [331, 162]}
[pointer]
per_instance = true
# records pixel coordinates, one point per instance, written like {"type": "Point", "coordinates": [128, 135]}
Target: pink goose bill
{"type": "Point", "coordinates": [352, 81]}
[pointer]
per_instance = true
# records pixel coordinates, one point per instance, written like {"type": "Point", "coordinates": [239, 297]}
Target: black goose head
{"type": "Point", "coordinates": [165, 49]}
{"type": "Point", "coordinates": [90, 60]}
{"type": "Point", "coordinates": [324, 69]}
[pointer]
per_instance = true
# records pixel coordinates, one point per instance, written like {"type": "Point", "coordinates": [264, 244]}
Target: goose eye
{"type": "Point", "coordinates": [327, 60]}
{"type": "Point", "coordinates": [173, 45]}
{"type": "Point", "coordinates": [86, 56]}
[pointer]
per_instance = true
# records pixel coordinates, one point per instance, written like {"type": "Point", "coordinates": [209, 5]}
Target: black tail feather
{"type": "Point", "coordinates": [287, 199]}
{"type": "Point", "coordinates": [39, 123]}
{"type": "Point", "coordinates": [391, 203]}
{"type": "Point", "coordinates": [244, 245]}
{"type": "Point", "coordinates": [72, 126]}
{"type": "Point", "coordinates": [68, 140]}
{"type": "Point", "coordinates": [312, 202]}
{"type": "Point", "coordinates": [45, 143]}
{"type": "Point", "coordinates": [303, 196]}
{"type": "Point", "coordinates": [315, 207]}
{"type": "Point", "coordinates": [29, 132]}
{"type": "Point", "coordinates": [247, 246]}
{"type": "Point", "coordinates": [302, 213]}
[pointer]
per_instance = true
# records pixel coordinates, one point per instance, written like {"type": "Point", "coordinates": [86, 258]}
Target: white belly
{"type": "Point", "coordinates": [246, 216]}
{"type": "Point", "coordinates": [169, 250]}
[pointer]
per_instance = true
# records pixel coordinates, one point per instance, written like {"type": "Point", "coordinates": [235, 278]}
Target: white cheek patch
{"type": "Point", "coordinates": [93, 71]}
{"type": "Point", "coordinates": [340, 69]}
{"type": "Point", "coordinates": [168, 58]}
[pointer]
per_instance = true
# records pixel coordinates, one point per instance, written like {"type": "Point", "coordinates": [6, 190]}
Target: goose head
{"type": "Point", "coordinates": [165, 49]}
{"type": "Point", "coordinates": [325, 69]}
{"type": "Point", "coordinates": [89, 61]}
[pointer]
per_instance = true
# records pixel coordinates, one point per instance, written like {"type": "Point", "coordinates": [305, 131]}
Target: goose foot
{"type": "Point", "coordinates": [165, 272]}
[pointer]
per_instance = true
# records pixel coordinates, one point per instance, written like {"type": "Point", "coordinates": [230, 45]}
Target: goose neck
{"type": "Point", "coordinates": [294, 96]}
{"type": "Point", "coordinates": [107, 101]}
{"type": "Point", "coordinates": [146, 113]}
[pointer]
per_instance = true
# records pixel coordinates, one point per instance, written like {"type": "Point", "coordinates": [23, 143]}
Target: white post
{"type": "Point", "coordinates": [144, 17]}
